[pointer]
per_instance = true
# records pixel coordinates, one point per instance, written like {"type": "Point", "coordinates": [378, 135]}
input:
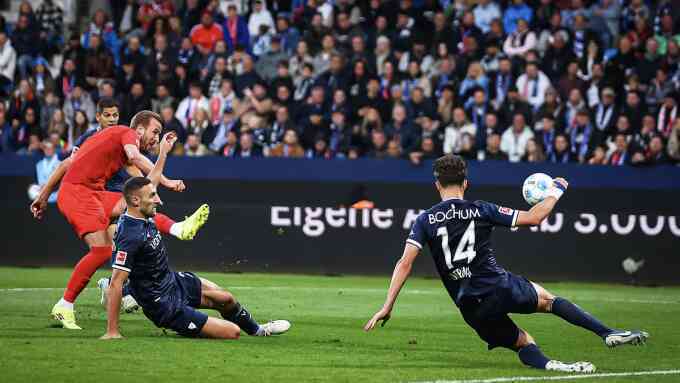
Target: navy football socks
{"type": "Point", "coordinates": [532, 356]}
{"type": "Point", "coordinates": [576, 316]}
{"type": "Point", "coordinates": [243, 319]}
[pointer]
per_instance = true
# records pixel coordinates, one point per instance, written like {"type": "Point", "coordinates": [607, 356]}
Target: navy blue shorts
{"type": "Point", "coordinates": [179, 312]}
{"type": "Point", "coordinates": [488, 315]}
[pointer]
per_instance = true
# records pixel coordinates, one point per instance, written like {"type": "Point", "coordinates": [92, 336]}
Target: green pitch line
{"type": "Point", "coordinates": [426, 340]}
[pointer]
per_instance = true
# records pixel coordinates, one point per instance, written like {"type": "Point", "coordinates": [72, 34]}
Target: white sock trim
{"type": "Point", "coordinates": [66, 304]}
{"type": "Point", "coordinates": [176, 229]}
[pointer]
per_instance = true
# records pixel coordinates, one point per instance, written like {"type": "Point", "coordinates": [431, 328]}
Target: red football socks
{"type": "Point", "coordinates": [84, 270]}
{"type": "Point", "coordinates": [163, 223]}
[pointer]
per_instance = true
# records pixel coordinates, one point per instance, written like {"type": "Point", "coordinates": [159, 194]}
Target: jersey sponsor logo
{"type": "Point", "coordinates": [505, 210]}
{"type": "Point", "coordinates": [452, 213]}
{"type": "Point", "coordinates": [121, 257]}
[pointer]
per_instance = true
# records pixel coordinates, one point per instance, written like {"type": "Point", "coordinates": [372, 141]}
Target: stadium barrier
{"type": "Point", "coordinates": [287, 216]}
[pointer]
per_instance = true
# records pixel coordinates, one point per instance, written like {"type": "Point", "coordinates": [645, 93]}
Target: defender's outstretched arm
{"type": "Point", "coordinates": [401, 273]}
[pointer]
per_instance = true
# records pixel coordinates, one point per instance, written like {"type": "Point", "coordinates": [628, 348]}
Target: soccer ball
{"type": "Point", "coordinates": [535, 187]}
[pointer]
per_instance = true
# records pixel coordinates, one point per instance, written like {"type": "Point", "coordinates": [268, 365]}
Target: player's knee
{"type": "Point", "coordinates": [524, 339]}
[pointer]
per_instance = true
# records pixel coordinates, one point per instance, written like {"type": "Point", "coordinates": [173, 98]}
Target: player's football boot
{"type": "Point", "coordinates": [128, 304]}
{"type": "Point", "coordinates": [65, 316]}
{"type": "Point", "coordinates": [582, 367]}
{"type": "Point", "coordinates": [618, 338]}
{"type": "Point", "coordinates": [275, 327]}
{"type": "Point", "coordinates": [193, 223]}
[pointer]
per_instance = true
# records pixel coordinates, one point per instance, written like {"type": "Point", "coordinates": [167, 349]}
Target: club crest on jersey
{"type": "Point", "coordinates": [505, 210]}
{"type": "Point", "coordinates": [121, 257]}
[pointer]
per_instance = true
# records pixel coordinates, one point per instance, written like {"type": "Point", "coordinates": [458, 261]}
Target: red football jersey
{"type": "Point", "coordinates": [100, 157]}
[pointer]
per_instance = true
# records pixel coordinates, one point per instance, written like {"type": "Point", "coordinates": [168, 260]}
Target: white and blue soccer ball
{"type": "Point", "coordinates": [535, 187]}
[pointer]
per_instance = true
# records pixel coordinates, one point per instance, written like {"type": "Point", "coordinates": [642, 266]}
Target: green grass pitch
{"type": "Point", "coordinates": [425, 340]}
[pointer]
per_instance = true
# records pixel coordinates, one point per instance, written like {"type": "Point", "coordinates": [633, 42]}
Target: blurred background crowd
{"type": "Point", "coordinates": [592, 82]}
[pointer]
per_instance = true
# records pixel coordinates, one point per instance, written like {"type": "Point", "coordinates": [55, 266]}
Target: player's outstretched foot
{"type": "Point", "coordinates": [129, 304]}
{"type": "Point", "coordinates": [618, 338]}
{"type": "Point", "coordinates": [65, 316]}
{"type": "Point", "coordinates": [275, 327]}
{"type": "Point", "coordinates": [193, 223]}
{"type": "Point", "coordinates": [582, 367]}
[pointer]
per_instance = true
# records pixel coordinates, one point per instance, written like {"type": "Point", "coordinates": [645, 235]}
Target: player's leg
{"type": "Point", "coordinates": [531, 355]}
{"type": "Point", "coordinates": [184, 230]}
{"type": "Point", "coordinates": [220, 329]}
{"type": "Point", "coordinates": [563, 308]}
{"type": "Point", "coordinates": [216, 298]}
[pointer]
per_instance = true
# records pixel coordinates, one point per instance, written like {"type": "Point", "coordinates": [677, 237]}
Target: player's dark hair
{"type": "Point", "coordinates": [450, 170]}
{"type": "Point", "coordinates": [106, 102]}
{"type": "Point", "coordinates": [144, 118]}
{"type": "Point", "coordinates": [133, 185]}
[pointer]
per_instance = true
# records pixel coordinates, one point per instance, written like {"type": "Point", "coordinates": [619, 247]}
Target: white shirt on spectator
{"type": "Point", "coordinates": [485, 14]}
{"type": "Point", "coordinates": [453, 136]}
{"type": "Point", "coordinates": [515, 145]}
{"type": "Point", "coordinates": [188, 107]}
{"type": "Point", "coordinates": [533, 89]}
{"type": "Point", "coordinates": [260, 18]}
{"type": "Point", "coordinates": [241, 6]}
{"type": "Point", "coordinates": [517, 45]}
{"type": "Point", "coordinates": [8, 60]}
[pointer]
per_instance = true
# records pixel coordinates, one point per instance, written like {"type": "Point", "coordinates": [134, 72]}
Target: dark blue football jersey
{"type": "Point", "coordinates": [139, 250]}
{"type": "Point", "coordinates": [458, 233]}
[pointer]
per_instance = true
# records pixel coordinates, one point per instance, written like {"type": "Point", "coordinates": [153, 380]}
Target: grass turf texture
{"type": "Point", "coordinates": [425, 340]}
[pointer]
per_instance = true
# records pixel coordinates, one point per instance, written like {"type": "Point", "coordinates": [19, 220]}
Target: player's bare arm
{"type": "Point", "coordinates": [401, 273]}
{"type": "Point", "coordinates": [144, 164]}
{"type": "Point", "coordinates": [118, 278]}
{"type": "Point", "coordinates": [167, 143]}
{"type": "Point", "coordinates": [541, 210]}
{"type": "Point", "coordinates": [39, 205]}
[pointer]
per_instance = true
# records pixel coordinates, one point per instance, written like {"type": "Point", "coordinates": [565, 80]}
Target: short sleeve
{"type": "Point", "coordinates": [497, 215]}
{"type": "Point", "coordinates": [124, 252]}
{"type": "Point", "coordinates": [417, 235]}
{"type": "Point", "coordinates": [130, 138]}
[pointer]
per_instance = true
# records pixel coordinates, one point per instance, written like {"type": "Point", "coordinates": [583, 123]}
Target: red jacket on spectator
{"type": "Point", "coordinates": [206, 37]}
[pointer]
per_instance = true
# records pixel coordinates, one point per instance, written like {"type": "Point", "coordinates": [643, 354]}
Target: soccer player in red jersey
{"type": "Point", "coordinates": [86, 204]}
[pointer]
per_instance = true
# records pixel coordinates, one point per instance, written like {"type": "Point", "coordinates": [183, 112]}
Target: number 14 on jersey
{"type": "Point", "coordinates": [465, 248]}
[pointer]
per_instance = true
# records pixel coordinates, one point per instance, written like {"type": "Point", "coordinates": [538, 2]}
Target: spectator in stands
{"type": "Point", "coordinates": [246, 149]}
{"type": "Point", "coordinates": [289, 147]}
{"type": "Point", "coordinates": [102, 27]}
{"type": "Point", "coordinates": [518, 10]}
{"type": "Point", "coordinates": [235, 30]}
{"type": "Point", "coordinates": [534, 152]}
{"type": "Point", "coordinates": [207, 33]}
{"type": "Point", "coordinates": [134, 102]}
{"type": "Point", "coordinates": [515, 138]}
{"type": "Point", "coordinates": [79, 100]}
{"type": "Point", "coordinates": [620, 155]}
{"type": "Point", "coordinates": [521, 40]}
{"type": "Point", "coordinates": [485, 12]}
{"type": "Point", "coordinates": [44, 168]}
{"type": "Point", "coordinates": [674, 142]}
{"type": "Point", "coordinates": [560, 152]}
{"type": "Point", "coordinates": [170, 123]}
{"type": "Point", "coordinates": [8, 59]}
{"type": "Point", "coordinates": [162, 98]}
{"type": "Point", "coordinates": [25, 41]}
{"type": "Point", "coordinates": [266, 66]}
{"type": "Point", "coordinates": [149, 10]}
{"type": "Point", "coordinates": [187, 107]}
{"type": "Point", "coordinates": [512, 105]}
{"type": "Point", "coordinates": [668, 113]}
{"type": "Point", "coordinates": [99, 63]}
{"type": "Point", "coordinates": [493, 149]}
{"type": "Point", "coordinates": [194, 147]}
{"type": "Point", "coordinates": [453, 133]}
{"type": "Point", "coordinates": [50, 17]}
{"type": "Point", "coordinates": [580, 136]}
{"type": "Point", "coordinates": [533, 85]}
{"type": "Point", "coordinates": [653, 155]}
{"type": "Point", "coordinates": [599, 156]}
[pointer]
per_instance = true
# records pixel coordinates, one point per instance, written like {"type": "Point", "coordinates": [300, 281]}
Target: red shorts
{"type": "Point", "coordinates": [85, 209]}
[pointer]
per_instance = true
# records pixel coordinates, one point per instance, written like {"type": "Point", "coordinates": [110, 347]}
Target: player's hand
{"type": "Point", "coordinates": [562, 182]}
{"type": "Point", "coordinates": [168, 141]}
{"type": "Point", "coordinates": [38, 208]}
{"type": "Point", "coordinates": [176, 185]}
{"type": "Point", "coordinates": [383, 315]}
{"type": "Point", "coordinates": [111, 336]}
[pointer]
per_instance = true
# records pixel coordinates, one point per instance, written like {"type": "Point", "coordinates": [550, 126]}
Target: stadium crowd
{"type": "Point", "coordinates": [593, 82]}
